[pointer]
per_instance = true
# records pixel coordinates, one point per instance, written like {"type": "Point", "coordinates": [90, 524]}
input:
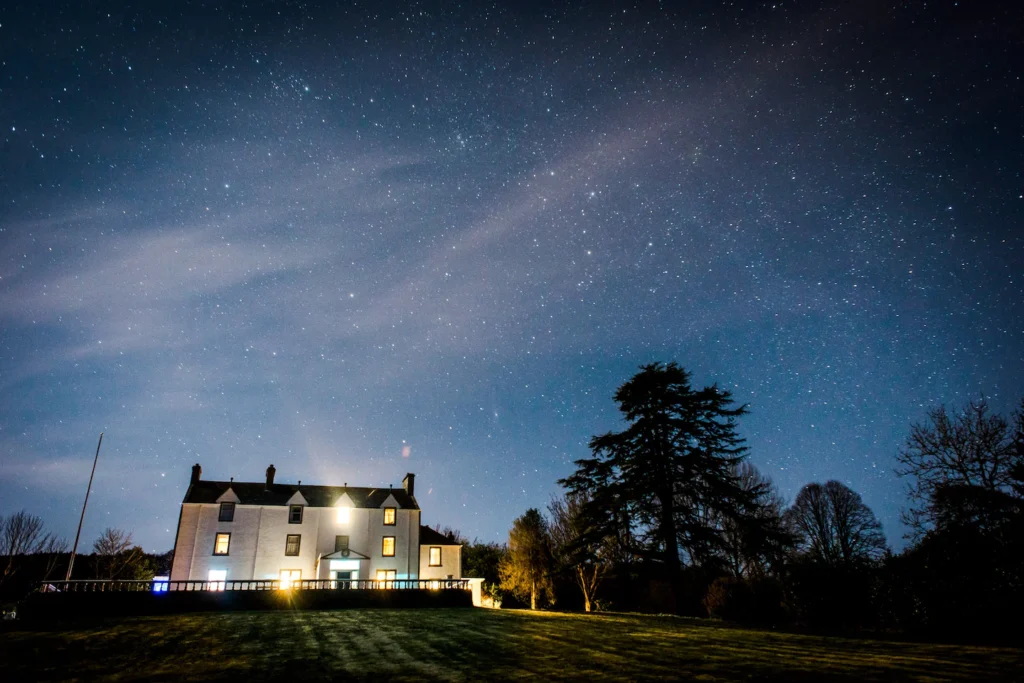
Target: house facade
{"type": "Point", "coordinates": [231, 531]}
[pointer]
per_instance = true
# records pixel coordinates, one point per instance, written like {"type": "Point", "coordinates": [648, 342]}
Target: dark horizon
{"type": "Point", "coordinates": [361, 242]}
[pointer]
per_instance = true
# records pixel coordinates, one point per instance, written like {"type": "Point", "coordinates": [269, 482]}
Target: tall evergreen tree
{"type": "Point", "coordinates": [663, 485]}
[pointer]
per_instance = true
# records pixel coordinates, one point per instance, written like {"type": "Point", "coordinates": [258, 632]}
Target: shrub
{"type": "Point", "coordinates": [745, 601]}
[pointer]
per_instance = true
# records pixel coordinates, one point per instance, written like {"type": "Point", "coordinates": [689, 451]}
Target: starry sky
{"type": "Point", "coordinates": [362, 239]}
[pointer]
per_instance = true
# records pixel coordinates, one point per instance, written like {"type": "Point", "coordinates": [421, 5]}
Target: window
{"type": "Point", "coordinates": [387, 577]}
{"type": "Point", "coordinates": [216, 579]}
{"type": "Point", "coordinates": [227, 512]}
{"type": "Point", "coordinates": [344, 514]}
{"type": "Point", "coordinates": [295, 514]}
{"type": "Point", "coordinates": [388, 547]}
{"type": "Point", "coordinates": [290, 576]}
{"type": "Point", "coordinates": [291, 544]}
{"type": "Point", "coordinates": [435, 556]}
{"type": "Point", "coordinates": [221, 544]}
{"type": "Point", "coordinates": [389, 516]}
{"type": "Point", "coordinates": [340, 543]}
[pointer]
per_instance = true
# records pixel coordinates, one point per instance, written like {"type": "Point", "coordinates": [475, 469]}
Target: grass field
{"type": "Point", "coordinates": [469, 645]}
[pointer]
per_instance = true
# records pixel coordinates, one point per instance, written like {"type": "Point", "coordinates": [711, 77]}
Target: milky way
{"type": "Point", "coordinates": [356, 243]}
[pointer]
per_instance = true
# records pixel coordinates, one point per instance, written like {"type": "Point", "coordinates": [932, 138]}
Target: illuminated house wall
{"type": "Point", "coordinates": [260, 517]}
{"type": "Point", "coordinates": [446, 556]}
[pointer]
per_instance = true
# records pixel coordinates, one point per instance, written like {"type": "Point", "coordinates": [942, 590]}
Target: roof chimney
{"type": "Point", "coordinates": [270, 475]}
{"type": "Point", "coordinates": [197, 472]}
{"type": "Point", "coordinates": [409, 483]}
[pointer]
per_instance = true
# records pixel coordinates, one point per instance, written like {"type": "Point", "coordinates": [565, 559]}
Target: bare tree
{"type": "Point", "coordinates": [117, 556]}
{"type": "Point", "coordinates": [957, 461]}
{"type": "Point", "coordinates": [588, 560]}
{"type": "Point", "coordinates": [834, 526]}
{"type": "Point", "coordinates": [757, 540]}
{"type": "Point", "coordinates": [453, 535]}
{"type": "Point", "coordinates": [20, 534]}
{"type": "Point", "coordinates": [54, 548]}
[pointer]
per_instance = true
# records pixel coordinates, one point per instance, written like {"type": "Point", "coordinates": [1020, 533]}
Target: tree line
{"type": "Point", "coordinates": [30, 555]}
{"type": "Point", "coordinates": [668, 515]}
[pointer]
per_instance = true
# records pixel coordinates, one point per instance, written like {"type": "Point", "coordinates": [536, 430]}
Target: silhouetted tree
{"type": "Point", "coordinates": [830, 581]}
{"type": "Point", "coordinates": [966, 469]}
{"type": "Point", "coordinates": [662, 486]}
{"type": "Point", "coordinates": [834, 526]}
{"type": "Point", "coordinates": [118, 558]}
{"type": "Point", "coordinates": [575, 551]}
{"type": "Point", "coordinates": [482, 560]}
{"type": "Point", "coordinates": [525, 569]}
{"type": "Point", "coordinates": [453, 535]}
{"type": "Point", "coordinates": [23, 534]}
{"type": "Point", "coordinates": [963, 573]}
{"type": "Point", "coordinates": [55, 549]}
{"type": "Point", "coordinates": [757, 543]}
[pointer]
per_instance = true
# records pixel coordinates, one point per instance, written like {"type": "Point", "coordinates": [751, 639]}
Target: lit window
{"type": "Point", "coordinates": [295, 514]}
{"type": "Point", "coordinates": [290, 576]}
{"type": "Point", "coordinates": [388, 547]}
{"type": "Point", "coordinates": [386, 575]}
{"type": "Point", "coordinates": [227, 512]}
{"type": "Point", "coordinates": [389, 516]}
{"type": "Point", "coordinates": [216, 578]}
{"type": "Point", "coordinates": [344, 514]}
{"type": "Point", "coordinates": [291, 544]}
{"type": "Point", "coordinates": [435, 556]}
{"type": "Point", "coordinates": [221, 545]}
{"type": "Point", "coordinates": [341, 544]}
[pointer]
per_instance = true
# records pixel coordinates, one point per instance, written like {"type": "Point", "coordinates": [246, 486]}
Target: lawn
{"type": "Point", "coordinates": [469, 645]}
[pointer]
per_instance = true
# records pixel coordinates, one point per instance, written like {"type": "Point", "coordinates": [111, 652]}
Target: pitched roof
{"type": "Point", "coordinates": [430, 537]}
{"type": "Point", "coordinates": [258, 493]}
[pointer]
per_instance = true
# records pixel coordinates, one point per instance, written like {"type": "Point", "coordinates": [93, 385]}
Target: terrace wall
{"type": "Point", "coordinates": [54, 605]}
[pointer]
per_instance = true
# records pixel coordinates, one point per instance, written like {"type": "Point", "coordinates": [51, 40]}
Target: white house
{"type": "Point", "coordinates": [232, 530]}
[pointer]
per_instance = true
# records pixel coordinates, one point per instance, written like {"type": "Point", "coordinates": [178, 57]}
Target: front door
{"type": "Point", "coordinates": [344, 575]}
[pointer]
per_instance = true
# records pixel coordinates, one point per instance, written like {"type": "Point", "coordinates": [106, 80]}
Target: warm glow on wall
{"type": "Point", "coordinates": [344, 514]}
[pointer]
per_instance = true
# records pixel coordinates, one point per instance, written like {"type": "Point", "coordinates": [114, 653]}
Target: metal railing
{"type": "Point", "coordinates": [162, 586]}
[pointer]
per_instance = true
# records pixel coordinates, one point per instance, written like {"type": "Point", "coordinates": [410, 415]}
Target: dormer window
{"type": "Point", "coordinates": [295, 514]}
{"type": "Point", "coordinates": [227, 512]}
{"type": "Point", "coordinates": [389, 516]}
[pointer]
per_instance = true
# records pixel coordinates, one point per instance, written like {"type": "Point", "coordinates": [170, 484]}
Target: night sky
{"type": "Point", "coordinates": [358, 242]}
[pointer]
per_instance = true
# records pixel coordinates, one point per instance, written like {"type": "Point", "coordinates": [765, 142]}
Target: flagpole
{"type": "Point", "coordinates": [71, 562]}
